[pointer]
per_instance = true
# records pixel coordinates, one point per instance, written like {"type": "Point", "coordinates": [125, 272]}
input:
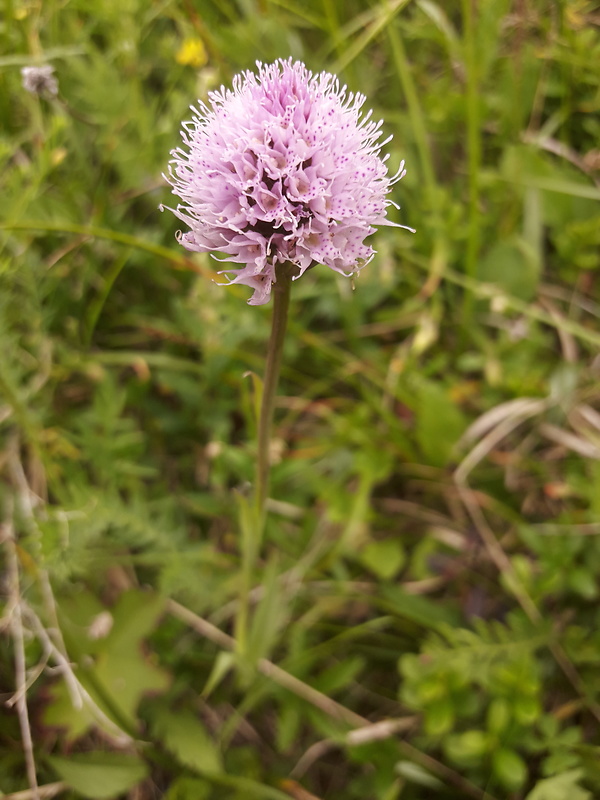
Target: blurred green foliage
{"type": "Point", "coordinates": [432, 553]}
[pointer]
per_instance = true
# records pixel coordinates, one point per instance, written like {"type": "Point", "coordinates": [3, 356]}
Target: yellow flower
{"type": "Point", "coordinates": [192, 53]}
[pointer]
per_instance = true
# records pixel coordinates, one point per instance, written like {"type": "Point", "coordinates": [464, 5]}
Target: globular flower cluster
{"type": "Point", "coordinates": [282, 168]}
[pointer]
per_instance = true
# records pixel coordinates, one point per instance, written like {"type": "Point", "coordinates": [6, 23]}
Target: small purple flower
{"type": "Point", "coordinates": [283, 168]}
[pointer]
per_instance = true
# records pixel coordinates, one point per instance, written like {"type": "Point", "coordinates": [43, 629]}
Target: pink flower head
{"type": "Point", "coordinates": [282, 168]}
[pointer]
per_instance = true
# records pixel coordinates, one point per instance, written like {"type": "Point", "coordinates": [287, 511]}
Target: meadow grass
{"type": "Point", "coordinates": [422, 618]}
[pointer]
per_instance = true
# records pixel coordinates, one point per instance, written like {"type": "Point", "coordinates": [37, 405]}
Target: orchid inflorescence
{"type": "Point", "coordinates": [283, 168]}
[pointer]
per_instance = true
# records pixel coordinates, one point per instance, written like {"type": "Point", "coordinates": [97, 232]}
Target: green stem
{"type": "Point", "coordinates": [95, 307]}
{"type": "Point", "coordinates": [252, 519]}
{"type": "Point", "coordinates": [281, 302]}
{"type": "Point", "coordinates": [417, 118]}
{"type": "Point", "coordinates": [473, 146]}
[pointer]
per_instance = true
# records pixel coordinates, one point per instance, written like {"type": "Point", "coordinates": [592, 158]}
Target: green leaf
{"type": "Point", "coordinates": [134, 617]}
{"type": "Point", "coordinates": [385, 558]}
{"type": "Point", "coordinates": [186, 738]}
{"type": "Point", "coordinates": [526, 709]}
{"type": "Point", "coordinates": [100, 775]}
{"type": "Point", "coordinates": [224, 663]}
{"type": "Point", "coordinates": [439, 717]}
{"type": "Point", "coordinates": [566, 194]}
{"type": "Point", "coordinates": [288, 724]}
{"type": "Point", "coordinates": [509, 768]}
{"type": "Point", "coordinates": [564, 187]}
{"type": "Point", "coordinates": [204, 504]}
{"type": "Point", "coordinates": [61, 713]}
{"type": "Point", "coordinates": [498, 715]}
{"type": "Point", "coordinates": [512, 266]}
{"type": "Point", "coordinates": [189, 789]}
{"type": "Point", "coordinates": [440, 423]}
{"type": "Point", "coordinates": [559, 787]}
{"type": "Point", "coordinates": [121, 673]}
{"type": "Point", "coordinates": [467, 748]}
{"type": "Point", "coordinates": [340, 675]}
{"type": "Point", "coordinates": [126, 676]}
{"type": "Point", "coordinates": [583, 581]}
{"type": "Point", "coordinates": [417, 609]}
{"type": "Point", "coordinates": [269, 616]}
{"type": "Point", "coordinates": [123, 670]}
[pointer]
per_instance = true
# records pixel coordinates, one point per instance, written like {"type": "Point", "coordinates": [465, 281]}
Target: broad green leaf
{"type": "Point", "coordinates": [440, 423]}
{"type": "Point", "coordinates": [77, 614]}
{"type": "Point", "coordinates": [509, 768]}
{"type": "Point", "coordinates": [498, 715]}
{"type": "Point", "coordinates": [187, 739]}
{"type": "Point", "coordinates": [385, 558]}
{"type": "Point", "coordinates": [526, 710]}
{"type": "Point", "coordinates": [288, 724]}
{"type": "Point", "coordinates": [189, 789]}
{"type": "Point", "coordinates": [513, 266]}
{"type": "Point", "coordinates": [134, 617]}
{"type": "Point", "coordinates": [100, 775]}
{"type": "Point", "coordinates": [439, 717]}
{"type": "Point", "coordinates": [467, 748]}
{"type": "Point", "coordinates": [62, 714]}
{"type": "Point", "coordinates": [560, 787]}
{"type": "Point", "coordinates": [583, 581]}
{"type": "Point", "coordinates": [417, 609]}
{"type": "Point", "coordinates": [122, 669]}
{"type": "Point", "coordinates": [121, 672]}
{"type": "Point", "coordinates": [126, 676]}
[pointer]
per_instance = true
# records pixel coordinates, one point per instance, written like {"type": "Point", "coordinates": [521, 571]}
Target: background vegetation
{"type": "Point", "coordinates": [425, 619]}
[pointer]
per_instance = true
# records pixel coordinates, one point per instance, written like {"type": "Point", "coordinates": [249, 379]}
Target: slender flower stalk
{"type": "Point", "coordinates": [252, 536]}
{"type": "Point", "coordinates": [281, 292]}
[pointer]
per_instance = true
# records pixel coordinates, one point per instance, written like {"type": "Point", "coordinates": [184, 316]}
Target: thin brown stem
{"type": "Point", "coordinates": [16, 627]}
{"type": "Point", "coordinates": [44, 792]}
{"type": "Point", "coordinates": [278, 675]}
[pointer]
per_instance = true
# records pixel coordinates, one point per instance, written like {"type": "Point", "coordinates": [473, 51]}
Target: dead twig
{"type": "Point", "coordinates": [51, 637]}
{"type": "Point", "coordinates": [568, 343]}
{"type": "Point", "coordinates": [16, 629]}
{"type": "Point", "coordinates": [43, 792]}
{"type": "Point", "coordinates": [267, 668]}
{"type": "Point", "coordinates": [570, 441]}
